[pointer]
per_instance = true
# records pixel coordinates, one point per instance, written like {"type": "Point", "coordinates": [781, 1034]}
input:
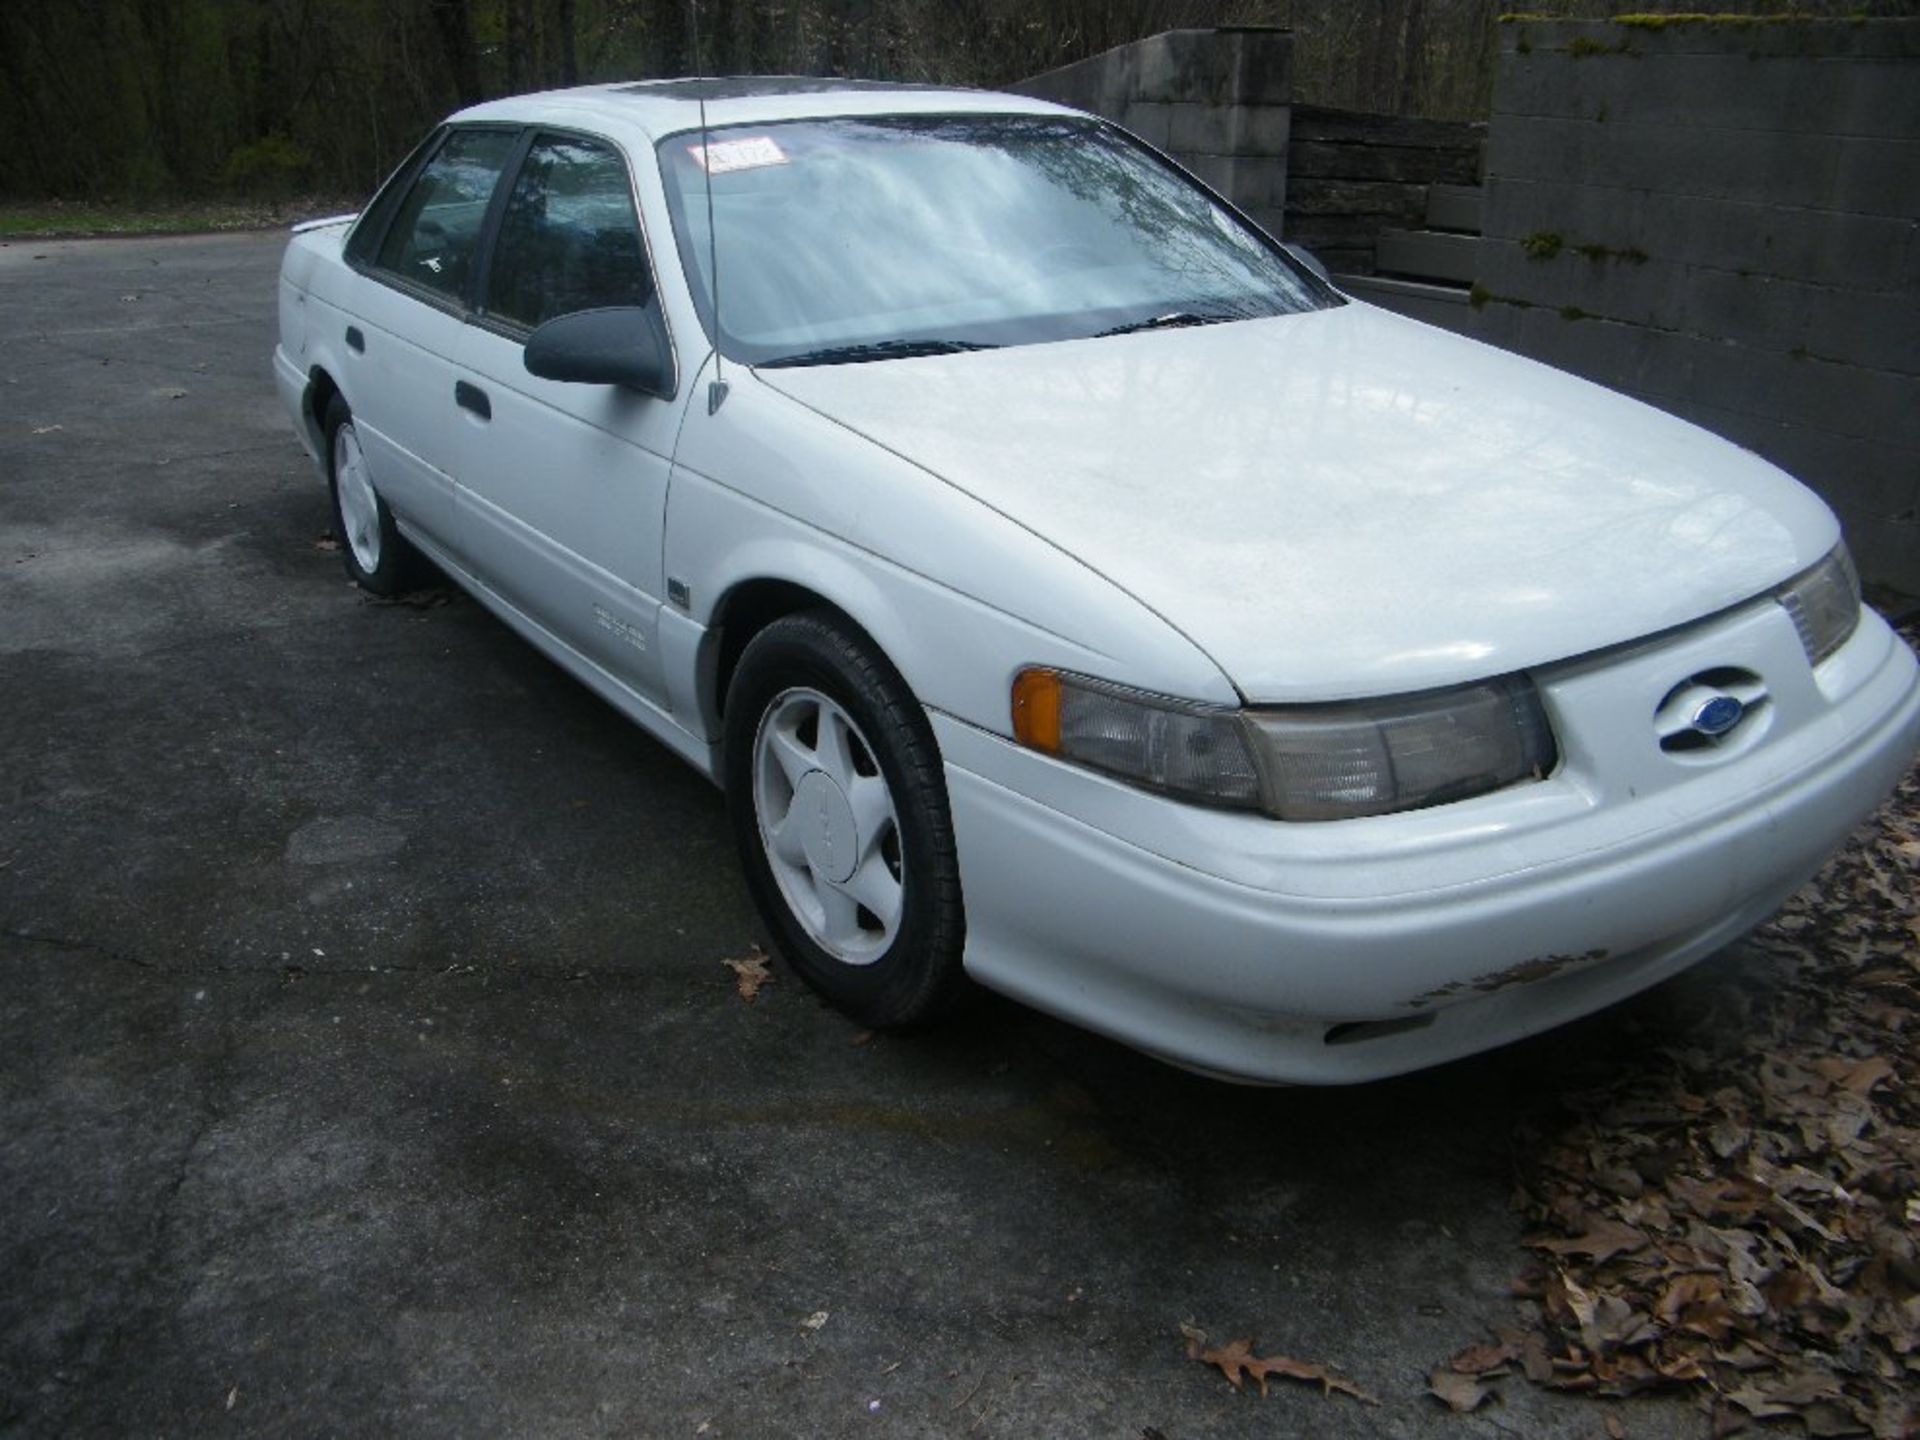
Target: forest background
{"type": "Point", "coordinates": [153, 101]}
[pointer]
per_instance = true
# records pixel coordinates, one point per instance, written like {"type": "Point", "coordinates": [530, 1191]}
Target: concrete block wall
{"type": "Point", "coordinates": [1351, 175]}
{"type": "Point", "coordinates": [1216, 100]}
{"type": "Point", "coordinates": [1723, 218]}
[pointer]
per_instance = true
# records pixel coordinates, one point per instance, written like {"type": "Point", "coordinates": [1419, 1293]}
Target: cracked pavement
{"type": "Point", "coordinates": [367, 1062]}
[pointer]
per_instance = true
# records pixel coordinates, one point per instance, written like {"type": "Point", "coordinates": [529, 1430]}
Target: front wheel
{"type": "Point", "coordinates": [840, 812]}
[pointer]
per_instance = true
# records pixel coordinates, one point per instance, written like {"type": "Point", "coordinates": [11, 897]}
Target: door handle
{"type": "Point", "coordinates": [356, 342]}
{"type": "Point", "coordinates": [472, 397]}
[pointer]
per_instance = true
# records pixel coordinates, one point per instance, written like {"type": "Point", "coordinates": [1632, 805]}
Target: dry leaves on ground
{"type": "Point", "coordinates": [1236, 1360]}
{"type": "Point", "coordinates": [750, 974]}
{"type": "Point", "coordinates": [1734, 1213]}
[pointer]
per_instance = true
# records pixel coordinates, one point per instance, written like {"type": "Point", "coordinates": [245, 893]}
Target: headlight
{"type": "Point", "coordinates": [1198, 752]}
{"type": "Point", "coordinates": [1329, 762]}
{"type": "Point", "coordinates": [1303, 762]}
{"type": "Point", "coordinates": [1824, 603]}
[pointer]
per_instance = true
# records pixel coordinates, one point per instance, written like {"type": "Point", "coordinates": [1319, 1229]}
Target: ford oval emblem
{"type": "Point", "coordinates": [1717, 716]}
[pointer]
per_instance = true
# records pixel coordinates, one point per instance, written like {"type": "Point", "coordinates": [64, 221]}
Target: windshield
{"type": "Point", "coordinates": [860, 239]}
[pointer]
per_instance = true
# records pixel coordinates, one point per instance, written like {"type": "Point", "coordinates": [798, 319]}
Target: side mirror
{"type": "Point", "coordinates": [620, 345]}
{"type": "Point", "coordinates": [1307, 258]}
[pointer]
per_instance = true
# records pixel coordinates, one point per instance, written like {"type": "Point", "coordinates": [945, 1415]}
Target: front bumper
{"type": "Point", "coordinates": [1268, 952]}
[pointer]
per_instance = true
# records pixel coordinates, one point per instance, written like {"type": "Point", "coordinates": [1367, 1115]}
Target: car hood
{"type": "Point", "coordinates": [1345, 502]}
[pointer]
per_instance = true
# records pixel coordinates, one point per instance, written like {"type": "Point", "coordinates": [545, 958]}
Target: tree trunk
{"type": "Point", "coordinates": [455, 29]}
{"type": "Point", "coordinates": [159, 29]}
{"type": "Point", "coordinates": [516, 47]}
{"type": "Point", "coordinates": [667, 32]}
{"type": "Point", "coordinates": [569, 58]}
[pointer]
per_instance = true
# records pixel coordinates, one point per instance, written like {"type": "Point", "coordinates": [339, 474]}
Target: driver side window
{"type": "Point", "coordinates": [569, 239]}
{"type": "Point", "coordinates": [432, 240]}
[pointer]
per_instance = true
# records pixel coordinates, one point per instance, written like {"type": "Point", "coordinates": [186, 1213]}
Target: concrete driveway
{"type": "Point", "coordinates": [367, 1061]}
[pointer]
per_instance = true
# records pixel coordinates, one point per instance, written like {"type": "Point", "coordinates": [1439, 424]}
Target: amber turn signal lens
{"type": "Point", "coordinates": [1036, 709]}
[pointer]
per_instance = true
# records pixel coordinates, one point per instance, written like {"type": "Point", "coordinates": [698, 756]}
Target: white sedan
{"type": "Point", "coordinates": [1072, 590]}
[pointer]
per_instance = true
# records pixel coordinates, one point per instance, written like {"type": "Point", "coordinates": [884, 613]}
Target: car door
{"type": "Point", "coordinates": [407, 325]}
{"type": "Point", "coordinates": [563, 487]}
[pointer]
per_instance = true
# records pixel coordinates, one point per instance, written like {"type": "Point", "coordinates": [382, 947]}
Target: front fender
{"type": "Point", "coordinates": [958, 597]}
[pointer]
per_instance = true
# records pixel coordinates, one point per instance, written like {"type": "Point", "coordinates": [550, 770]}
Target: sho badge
{"type": "Point", "coordinates": [625, 629]}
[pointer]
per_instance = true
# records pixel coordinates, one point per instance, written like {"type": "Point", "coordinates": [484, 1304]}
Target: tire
{"type": "Point", "coordinates": [839, 808]}
{"type": "Point", "coordinates": [377, 556]}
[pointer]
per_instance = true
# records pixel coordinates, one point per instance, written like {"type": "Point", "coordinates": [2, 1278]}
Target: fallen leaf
{"type": "Point", "coordinates": [1461, 1393]}
{"type": "Point", "coordinates": [816, 1320]}
{"type": "Point", "coordinates": [1786, 1397]}
{"type": "Point", "coordinates": [1727, 1138]}
{"type": "Point", "coordinates": [1237, 1359]}
{"type": "Point", "coordinates": [1858, 1077]}
{"type": "Point", "coordinates": [1536, 1361]}
{"type": "Point", "coordinates": [750, 974]}
{"type": "Point", "coordinates": [1697, 1304]}
{"type": "Point", "coordinates": [1601, 1241]}
{"type": "Point", "coordinates": [1479, 1359]}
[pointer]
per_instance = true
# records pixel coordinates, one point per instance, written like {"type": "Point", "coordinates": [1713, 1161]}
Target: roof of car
{"type": "Point", "coordinates": [661, 107]}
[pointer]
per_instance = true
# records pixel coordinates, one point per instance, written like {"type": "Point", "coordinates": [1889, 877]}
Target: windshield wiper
{"type": "Point", "coordinates": [875, 350]}
{"type": "Point", "coordinates": [1172, 320]}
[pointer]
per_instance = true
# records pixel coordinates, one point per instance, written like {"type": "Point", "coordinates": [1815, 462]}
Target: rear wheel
{"type": "Point", "coordinates": [377, 556]}
{"type": "Point", "coordinates": [840, 811]}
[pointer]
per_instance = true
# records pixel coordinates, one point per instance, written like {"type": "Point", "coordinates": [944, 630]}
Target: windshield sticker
{"type": "Point", "coordinates": [727, 155]}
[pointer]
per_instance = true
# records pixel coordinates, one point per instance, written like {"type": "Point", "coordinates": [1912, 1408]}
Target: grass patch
{"type": "Point", "coordinates": [1657, 21]}
{"type": "Point", "coordinates": [70, 219]}
{"type": "Point", "coordinates": [1542, 244]}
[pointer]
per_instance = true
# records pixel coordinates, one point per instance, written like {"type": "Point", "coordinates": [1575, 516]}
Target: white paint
{"type": "Point", "coordinates": [1311, 507]}
{"type": "Point", "coordinates": [1347, 502]}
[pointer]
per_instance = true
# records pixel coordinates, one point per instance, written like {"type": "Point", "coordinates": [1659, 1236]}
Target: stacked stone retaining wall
{"type": "Point", "coordinates": [1351, 175]}
{"type": "Point", "coordinates": [1216, 100]}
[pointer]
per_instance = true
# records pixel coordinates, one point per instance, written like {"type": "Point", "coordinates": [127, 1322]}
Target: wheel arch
{"type": "Point", "coordinates": [321, 390]}
{"type": "Point", "coordinates": [746, 608]}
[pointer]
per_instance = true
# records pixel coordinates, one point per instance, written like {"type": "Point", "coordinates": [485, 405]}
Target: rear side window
{"type": "Point", "coordinates": [437, 228]}
{"type": "Point", "coordinates": [569, 239]}
{"type": "Point", "coordinates": [374, 216]}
